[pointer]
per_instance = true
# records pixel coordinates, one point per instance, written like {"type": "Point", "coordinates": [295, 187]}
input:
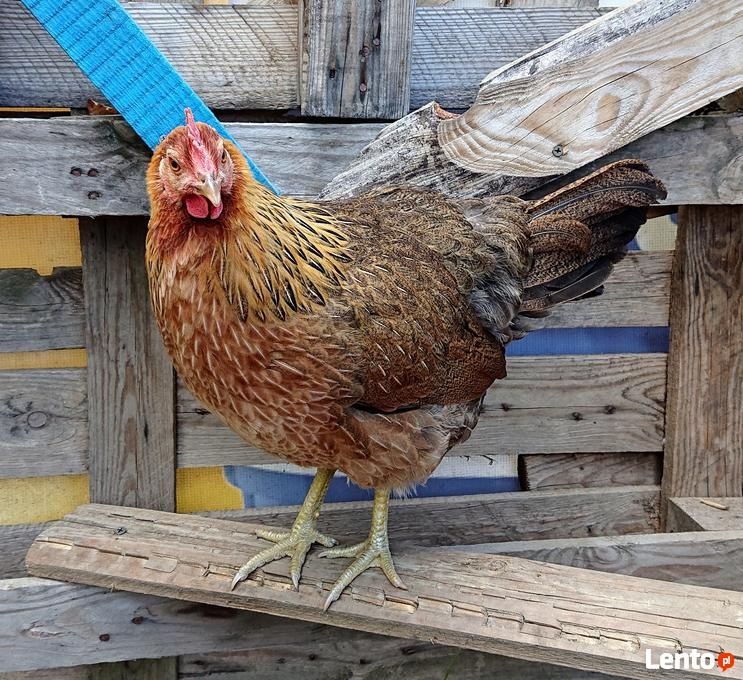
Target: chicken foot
{"type": "Point", "coordinates": [373, 552]}
{"type": "Point", "coordinates": [296, 542]}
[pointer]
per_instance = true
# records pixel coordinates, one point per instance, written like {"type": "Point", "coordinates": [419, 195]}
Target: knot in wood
{"type": "Point", "coordinates": [36, 419]}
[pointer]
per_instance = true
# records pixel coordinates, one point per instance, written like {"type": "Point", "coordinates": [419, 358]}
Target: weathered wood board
{"type": "Point", "coordinates": [41, 312]}
{"type": "Point", "coordinates": [560, 404]}
{"type": "Point", "coordinates": [588, 470]}
{"type": "Point", "coordinates": [16, 539]}
{"type": "Point", "coordinates": [453, 52]}
{"type": "Point", "coordinates": [705, 514]}
{"type": "Point", "coordinates": [246, 55]}
{"type": "Point", "coordinates": [541, 612]}
{"type": "Point", "coordinates": [714, 561]}
{"type": "Point", "coordinates": [355, 58]}
{"type": "Point", "coordinates": [95, 165]}
{"type": "Point", "coordinates": [242, 642]}
{"type": "Point", "coordinates": [598, 88]}
{"type": "Point", "coordinates": [242, 57]}
{"type": "Point", "coordinates": [704, 449]}
{"type": "Point", "coordinates": [43, 422]}
{"type": "Point", "coordinates": [465, 520]}
{"type": "Point", "coordinates": [443, 521]}
{"type": "Point", "coordinates": [610, 403]}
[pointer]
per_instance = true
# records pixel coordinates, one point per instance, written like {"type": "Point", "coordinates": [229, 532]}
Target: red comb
{"type": "Point", "coordinates": [199, 153]}
{"type": "Point", "coordinates": [193, 129]}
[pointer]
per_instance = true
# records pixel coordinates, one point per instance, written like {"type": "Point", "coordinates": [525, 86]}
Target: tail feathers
{"type": "Point", "coordinates": [578, 232]}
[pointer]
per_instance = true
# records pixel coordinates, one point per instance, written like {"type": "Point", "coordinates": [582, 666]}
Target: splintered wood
{"type": "Point", "coordinates": [599, 88]}
{"type": "Point", "coordinates": [498, 604]}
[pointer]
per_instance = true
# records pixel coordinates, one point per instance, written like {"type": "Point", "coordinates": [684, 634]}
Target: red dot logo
{"type": "Point", "coordinates": [725, 660]}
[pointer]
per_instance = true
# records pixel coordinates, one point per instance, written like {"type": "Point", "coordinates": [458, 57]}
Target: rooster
{"type": "Point", "coordinates": [360, 334]}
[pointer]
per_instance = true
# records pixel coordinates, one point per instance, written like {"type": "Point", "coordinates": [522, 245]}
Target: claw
{"type": "Point", "coordinates": [373, 552]}
{"type": "Point", "coordinates": [367, 555]}
{"type": "Point", "coordinates": [296, 542]}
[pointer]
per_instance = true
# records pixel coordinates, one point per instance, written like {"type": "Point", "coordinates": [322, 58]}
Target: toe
{"type": "Point", "coordinates": [344, 551]}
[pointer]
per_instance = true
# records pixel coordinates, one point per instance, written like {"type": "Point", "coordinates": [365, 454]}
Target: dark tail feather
{"type": "Point", "coordinates": [580, 231]}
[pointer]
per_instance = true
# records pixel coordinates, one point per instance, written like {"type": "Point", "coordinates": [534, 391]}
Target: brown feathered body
{"type": "Point", "coordinates": [362, 334]}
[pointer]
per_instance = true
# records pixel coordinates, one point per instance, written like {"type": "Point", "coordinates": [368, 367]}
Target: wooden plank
{"type": "Point", "coordinates": [355, 58]}
{"type": "Point", "coordinates": [41, 312]}
{"type": "Point", "coordinates": [131, 388]}
{"type": "Point", "coordinates": [599, 88]}
{"type": "Point", "coordinates": [465, 520]}
{"type": "Point", "coordinates": [697, 558]}
{"type": "Point", "coordinates": [363, 656]}
{"type": "Point", "coordinates": [451, 58]}
{"type": "Point", "coordinates": [706, 514]}
{"type": "Point", "coordinates": [16, 539]}
{"type": "Point", "coordinates": [555, 405]}
{"type": "Point", "coordinates": [246, 55]}
{"type": "Point", "coordinates": [588, 470]}
{"type": "Point", "coordinates": [43, 422]}
{"type": "Point", "coordinates": [704, 445]}
{"type": "Point", "coordinates": [636, 294]}
{"type": "Point", "coordinates": [241, 57]}
{"type": "Point", "coordinates": [95, 165]}
{"type": "Point", "coordinates": [130, 380]}
{"type": "Point", "coordinates": [75, 616]}
{"type": "Point", "coordinates": [548, 404]}
{"type": "Point", "coordinates": [521, 608]}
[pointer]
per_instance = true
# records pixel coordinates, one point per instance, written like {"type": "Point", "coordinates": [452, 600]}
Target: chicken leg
{"type": "Point", "coordinates": [297, 541]}
{"type": "Point", "coordinates": [373, 552]}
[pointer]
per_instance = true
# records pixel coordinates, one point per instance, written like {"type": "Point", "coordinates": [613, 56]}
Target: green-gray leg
{"type": "Point", "coordinates": [297, 541]}
{"type": "Point", "coordinates": [373, 552]}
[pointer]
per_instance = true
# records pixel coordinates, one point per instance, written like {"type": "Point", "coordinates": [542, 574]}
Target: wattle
{"type": "Point", "coordinates": [198, 206]}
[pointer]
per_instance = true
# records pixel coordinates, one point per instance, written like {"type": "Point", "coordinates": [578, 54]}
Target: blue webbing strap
{"type": "Point", "coordinates": [109, 47]}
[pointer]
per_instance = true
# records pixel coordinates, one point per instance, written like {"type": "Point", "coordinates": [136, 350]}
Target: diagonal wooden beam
{"type": "Point", "coordinates": [599, 87]}
{"type": "Point", "coordinates": [499, 604]}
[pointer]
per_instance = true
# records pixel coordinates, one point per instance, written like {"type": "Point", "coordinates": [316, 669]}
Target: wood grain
{"type": "Point", "coordinates": [41, 312]}
{"type": "Point", "coordinates": [524, 609]}
{"type": "Point", "coordinates": [16, 539]}
{"type": "Point", "coordinates": [355, 58]}
{"type": "Point", "coordinates": [240, 642]}
{"type": "Point", "coordinates": [588, 470]}
{"type": "Point", "coordinates": [704, 445]}
{"type": "Point", "coordinates": [43, 422]}
{"type": "Point", "coordinates": [451, 54]}
{"type": "Point", "coordinates": [130, 380]}
{"type": "Point", "coordinates": [599, 88]}
{"type": "Point", "coordinates": [466, 520]}
{"type": "Point", "coordinates": [235, 57]}
{"type": "Point", "coordinates": [714, 561]}
{"type": "Point", "coordinates": [95, 165]}
{"type": "Point", "coordinates": [699, 516]}
{"type": "Point", "coordinates": [246, 55]}
{"type": "Point", "coordinates": [561, 404]}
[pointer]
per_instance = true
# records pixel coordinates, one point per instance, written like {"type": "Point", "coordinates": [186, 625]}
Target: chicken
{"type": "Point", "coordinates": [361, 334]}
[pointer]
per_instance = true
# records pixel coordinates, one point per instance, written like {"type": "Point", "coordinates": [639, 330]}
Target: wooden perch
{"type": "Point", "coordinates": [568, 103]}
{"type": "Point", "coordinates": [499, 604]}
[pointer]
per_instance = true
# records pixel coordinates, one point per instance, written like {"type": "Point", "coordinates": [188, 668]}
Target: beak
{"type": "Point", "coordinates": [211, 189]}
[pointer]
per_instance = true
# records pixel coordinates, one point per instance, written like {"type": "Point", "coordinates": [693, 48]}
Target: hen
{"type": "Point", "coordinates": [360, 335]}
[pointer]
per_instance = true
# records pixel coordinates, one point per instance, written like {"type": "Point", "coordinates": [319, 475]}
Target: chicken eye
{"type": "Point", "coordinates": [224, 155]}
{"type": "Point", "coordinates": [175, 165]}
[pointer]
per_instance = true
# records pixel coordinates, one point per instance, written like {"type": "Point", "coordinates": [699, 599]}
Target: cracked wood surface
{"type": "Point", "coordinates": [442, 521]}
{"type": "Point", "coordinates": [95, 165]}
{"type": "Point", "coordinates": [540, 612]}
{"type": "Point", "coordinates": [599, 87]}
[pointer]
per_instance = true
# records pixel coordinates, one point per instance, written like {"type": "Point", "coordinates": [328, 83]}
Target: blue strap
{"type": "Point", "coordinates": [109, 47]}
